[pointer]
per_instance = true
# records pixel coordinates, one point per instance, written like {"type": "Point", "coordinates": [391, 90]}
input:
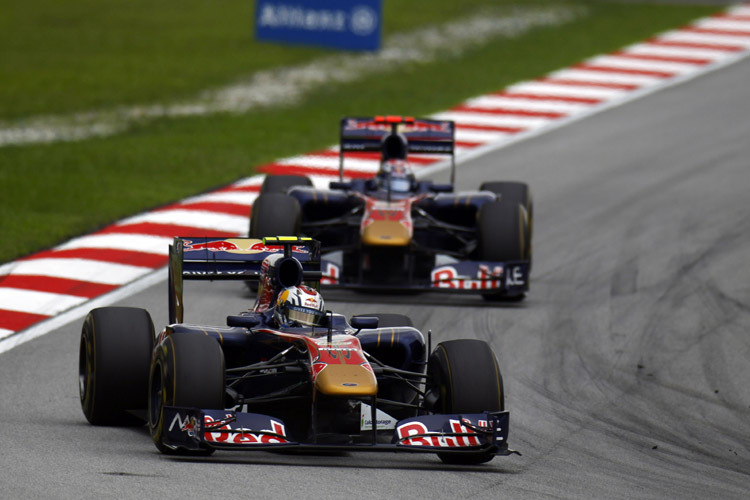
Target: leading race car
{"type": "Point", "coordinates": [396, 232]}
{"type": "Point", "coordinates": [287, 374]}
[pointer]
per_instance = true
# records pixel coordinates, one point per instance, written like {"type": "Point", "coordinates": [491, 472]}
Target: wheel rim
{"type": "Point", "coordinates": [156, 396]}
{"type": "Point", "coordinates": [84, 369]}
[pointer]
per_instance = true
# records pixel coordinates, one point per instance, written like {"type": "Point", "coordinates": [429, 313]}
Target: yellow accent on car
{"type": "Point", "coordinates": [346, 380]}
{"type": "Point", "coordinates": [268, 240]}
{"type": "Point", "coordinates": [386, 233]}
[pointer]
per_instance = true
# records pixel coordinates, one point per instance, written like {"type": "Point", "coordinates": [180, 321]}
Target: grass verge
{"type": "Point", "coordinates": [49, 193]}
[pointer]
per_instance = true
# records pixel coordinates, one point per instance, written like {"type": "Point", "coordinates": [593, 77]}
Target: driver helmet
{"type": "Point", "coordinates": [395, 175]}
{"type": "Point", "coordinates": [299, 306]}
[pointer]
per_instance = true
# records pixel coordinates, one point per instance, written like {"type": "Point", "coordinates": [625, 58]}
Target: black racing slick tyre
{"type": "Point", "coordinates": [275, 214]}
{"type": "Point", "coordinates": [516, 192]}
{"type": "Point", "coordinates": [463, 376]}
{"type": "Point", "coordinates": [188, 371]}
{"type": "Point", "coordinates": [282, 183]}
{"type": "Point", "coordinates": [113, 364]}
{"type": "Point", "coordinates": [504, 235]}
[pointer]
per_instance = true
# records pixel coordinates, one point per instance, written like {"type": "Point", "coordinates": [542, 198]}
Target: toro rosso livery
{"type": "Point", "coordinates": [287, 374]}
{"type": "Point", "coordinates": [396, 232]}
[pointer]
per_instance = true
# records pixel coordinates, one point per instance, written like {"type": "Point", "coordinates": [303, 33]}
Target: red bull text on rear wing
{"type": "Point", "coordinates": [231, 259]}
{"type": "Point", "coordinates": [423, 135]}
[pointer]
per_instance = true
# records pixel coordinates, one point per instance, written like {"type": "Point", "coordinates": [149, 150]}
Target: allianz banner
{"type": "Point", "coordinates": [341, 24]}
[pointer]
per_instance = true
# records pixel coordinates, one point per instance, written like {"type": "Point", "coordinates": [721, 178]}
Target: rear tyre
{"type": "Point", "coordinates": [187, 370]}
{"type": "Point", "coordinates": [463, 377]}
{"type": "Point", "coordinates": [282, 183]}
{"type": "Point", "coordinates": [113, 364]}
{"type": "Point", "coordinates": [275, 214]}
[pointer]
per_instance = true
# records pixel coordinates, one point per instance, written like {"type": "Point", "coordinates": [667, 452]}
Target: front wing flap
{"type": "Point", "coordinates": [468, 276]}
{"type": "Point", "coordinates": [194, 429]}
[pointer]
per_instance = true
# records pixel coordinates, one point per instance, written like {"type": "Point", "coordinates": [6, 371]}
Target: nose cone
{"type": "Point", "coordinates": [386, 233]}
{"type": "Point", "coordinates": [346, 380]}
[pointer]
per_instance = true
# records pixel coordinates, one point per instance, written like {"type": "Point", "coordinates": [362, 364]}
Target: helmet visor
{"type": "Point", "coordinates": [304, 315]}
{"type": "Point", "coordinates": [400, 184]}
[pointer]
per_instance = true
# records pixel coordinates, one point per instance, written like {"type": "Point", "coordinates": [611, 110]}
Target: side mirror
{"type": "Point", "coordinates": [364, 322]}
{"type": "Point", "coordinates": [243, 321]}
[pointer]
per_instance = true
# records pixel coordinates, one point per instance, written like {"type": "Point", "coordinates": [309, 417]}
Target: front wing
{"type": "Point", "coordinates": [194, 429]}
{"type": "Point", "coordinates": [507, 278]}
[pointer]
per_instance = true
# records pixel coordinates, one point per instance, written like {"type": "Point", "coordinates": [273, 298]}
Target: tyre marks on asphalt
{"type": "Point", "coordinates": [48, 283]}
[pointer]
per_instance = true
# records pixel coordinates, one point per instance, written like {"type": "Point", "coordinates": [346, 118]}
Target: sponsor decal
{"type": "Point", "coordinates": [485, 279]}
{"type": "Point", "coordinates": [221, 432]}
{"type": "Point", "coordinates": [515, 277]}
{"type": "Point", "coordinates": [207, 273]}
{"type": "Point", "coordinates": [424, 437]}
{"type": "Point", "coordinates": [331, 274]}
{"type": "Point", "coordinates": [367, 125]}
{"type": "Point", "coordinates": [343, 24]}
{"type": "Point", "coordinates": [292, 16]}
{"type": "Point", "coordinates": [186, 424]}
{"type": "Point", "coordinates": [364, 20]}
{"type": "Point", "coordinates": [406, 127]}
{"type": "Point", "coordinates": [238, 246]}
{"type": "Point", "coordinates": [382, 419]}
{"type": "Point", "coordinates": [214, 246]}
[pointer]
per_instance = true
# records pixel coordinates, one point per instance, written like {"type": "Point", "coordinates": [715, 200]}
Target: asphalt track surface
{"type": "Point", "coordinates": [626, 370]}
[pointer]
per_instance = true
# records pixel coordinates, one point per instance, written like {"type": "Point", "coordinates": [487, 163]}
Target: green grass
{"type": "Point", "coordinates": [49, 193]}
{"type": "Point", "coordinates": [66, 56]}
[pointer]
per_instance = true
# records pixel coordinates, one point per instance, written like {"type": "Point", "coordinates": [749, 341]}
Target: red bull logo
{"type": "Point", "coordinates": [367, 125]}
{"type": "Point", "coordinates": [215, 246]}
{"type": "Point", "coordinates": [424, 437]}
{"type": "Point", "coordinates": [238, 245]}
{"type": "Point", "coordinates": [419, 126]}
{"type": "Point", "coordinates": [404, 127]}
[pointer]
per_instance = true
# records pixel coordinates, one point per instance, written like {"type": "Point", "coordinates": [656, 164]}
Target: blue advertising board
{"type": "Point", "coordinates": [341, 24]}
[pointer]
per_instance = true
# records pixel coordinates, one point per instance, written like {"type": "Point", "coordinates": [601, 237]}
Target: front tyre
{"type": "Point", "coordinates": [504, 232]}
{"type": "Point", "coordinates": [463, 376]}
{"type": "Point", "coordinates": [188, 371]}
{"type": "Point", "coordinates": [113, 364]}
{"type": "Point", "coordinates": [282, 183]}
{"type": "Point", "coordinates": [518, 193]}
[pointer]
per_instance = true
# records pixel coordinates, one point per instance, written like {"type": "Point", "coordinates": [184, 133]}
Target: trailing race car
{"type": "Point", "coordinates": [394, 231]}
{"type": "Point", "coordinates": [287, 374]}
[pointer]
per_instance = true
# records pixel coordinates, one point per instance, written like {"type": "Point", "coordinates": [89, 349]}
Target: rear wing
{"type": "Point", "coordinates": [231, 259]}
{"type": "Point", "coordinates": [423, 136]}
